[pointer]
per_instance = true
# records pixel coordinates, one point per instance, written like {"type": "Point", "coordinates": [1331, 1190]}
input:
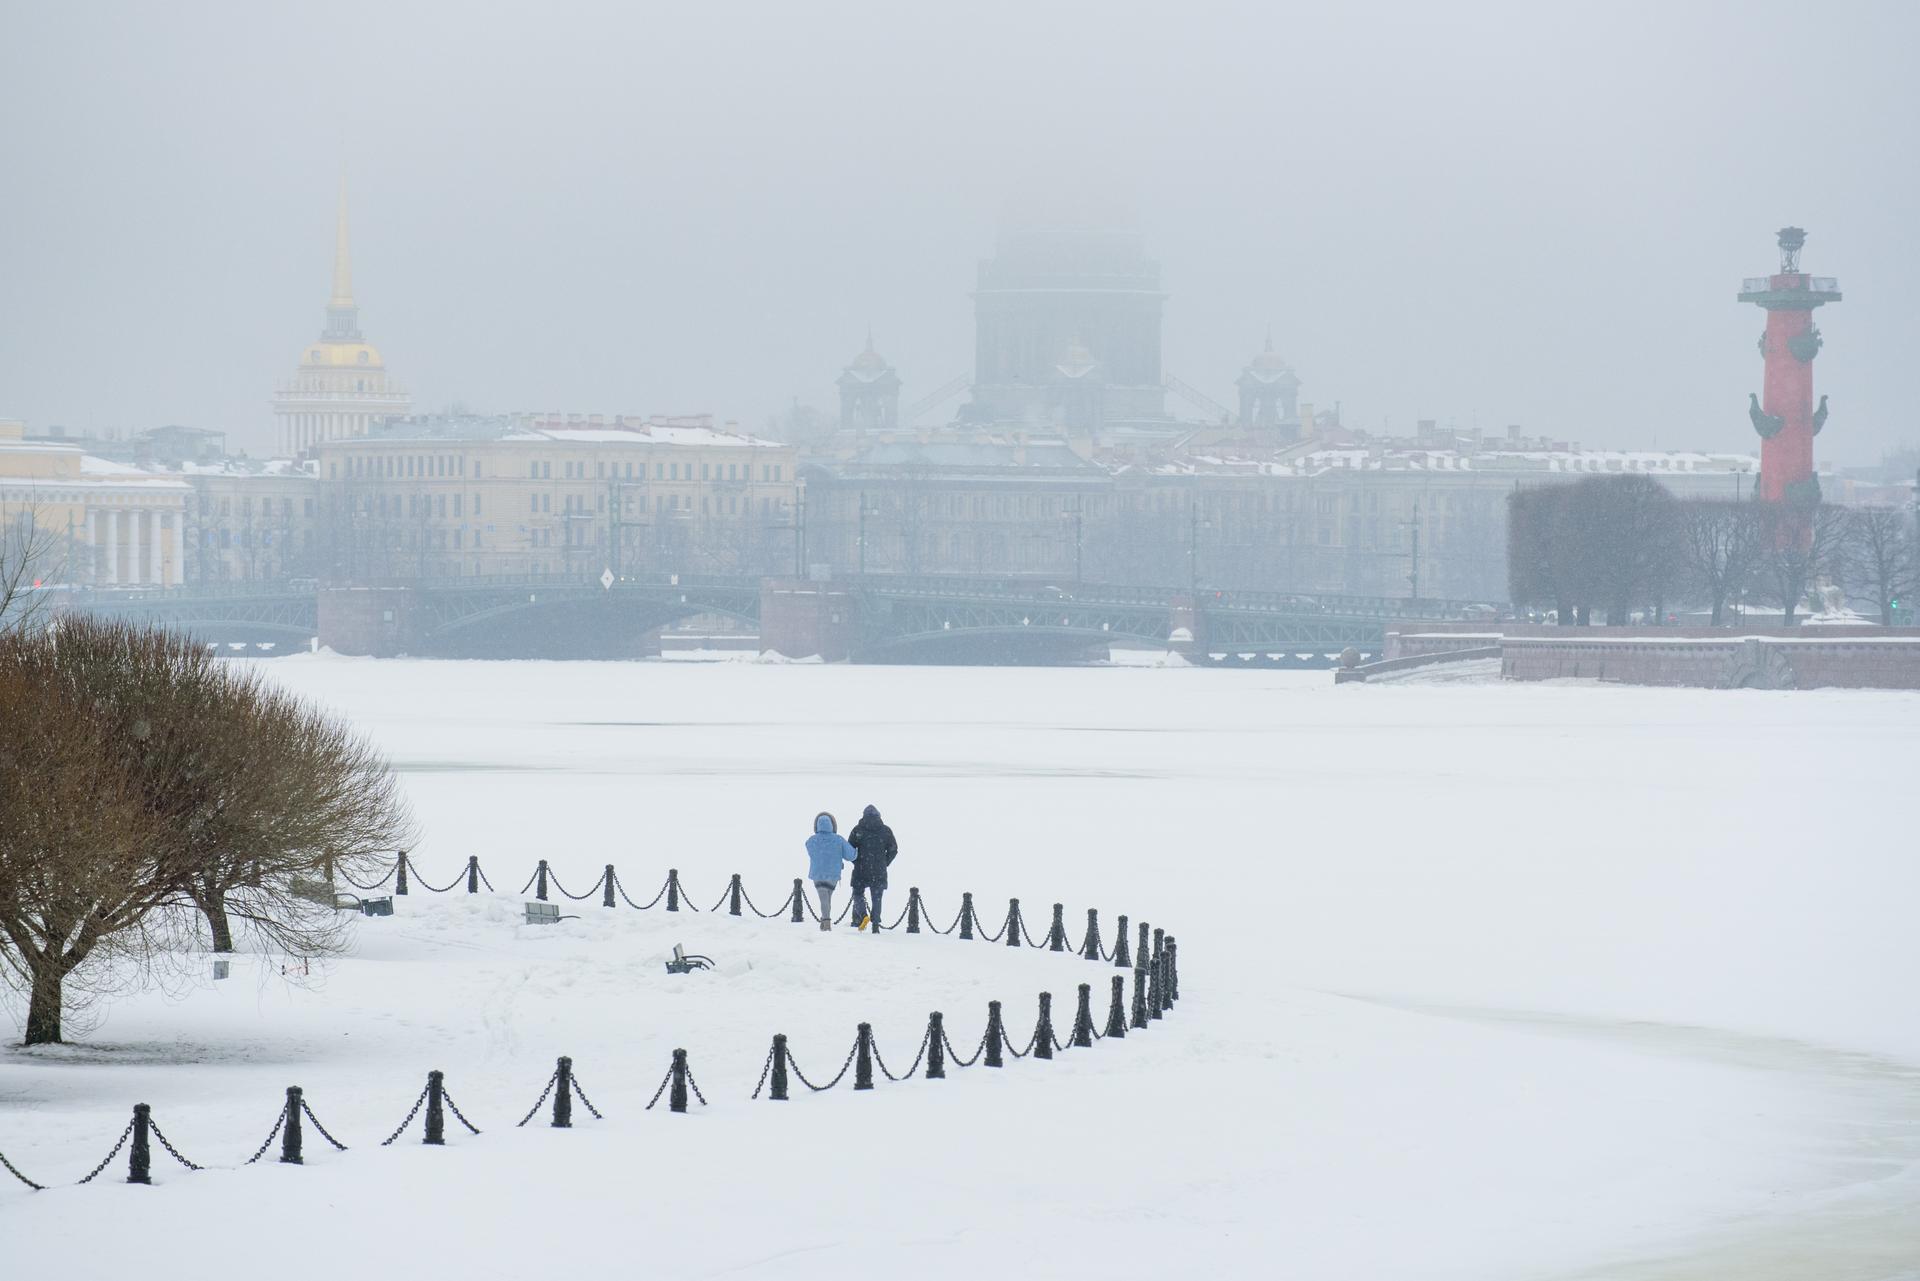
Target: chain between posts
{"type": "Point", "coordinates": [171, 1150]}
{"type": "Point", "coordinates": [108, 1158]}
{"type": "Point", "coordinates": [306, 1109]}
{"type": "Point", "coordinates": [37, 1187]}
{"type": "Point", "coordinates": [795, 1065]}
{"type": "Point", "coordinates": [402, 1127]}
{"type": "Point", "coordinates": [348, 878]}
{"type": "Point", "coordinates": [272, 1134]}
{"type": "Point", "coordinates": [641, 907]}
{"type": "Point", "coordinates": [657, 1093]}
{"type": "Point", "coordinates": [552, 1080]}
{"type": "Point", "coordinates": [553, 878]}
{"type": "Point", "coordinates": [455, 1109]}
{"type": "Point", "coordinates": [431, 889]}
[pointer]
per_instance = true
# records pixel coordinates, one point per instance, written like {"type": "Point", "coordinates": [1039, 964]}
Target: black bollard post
{"type": "Point", "coordinates": [1117, 1012]}
{"type": "Point", "coordinates": [966, 916]}
{"type": "Point", "coordinates": [400, 873]}
{"type": "Point", "coordinates": [733, 895]}
{"type": "Point", "coordinates": [673, 896]}
{"type": "Point", "coordinates": [290, 1133]}
{"type": "Point", "coordinates": [139, 1156]}
{"type": "Point", "coordinates": [473, 873]}
{"type": "Point", "coordinates": [1142, 958]}
{"type": "Point", "coordinates": [1083, 1017]}
{"type": "Point", "coordinates": [996, 1033]}
{"type": "Point", "coordinates": [1139, 1018]}
{"type": "Point", "coordinates": [606, 886]}
{"type": "Point", "coordinates": [1159, 945]}
{"type": "Point", "coordinates": [1057, 935]}
{"type": "Point", "coordinates": [936, 1047]}
{"type": "Point", "coordinates": [1173, 970]}
{"type": "Point", "coordinates": [677, 1096]}
{"type": "Point", "coordinates": [779, 1093]}
{"type": "Point", "coordinates": [436, 1113]}
{"type": "Point", "coordinates": [1156, 991]}
{"type": "Point", "coordinates": [913, 910]}
{"type": "Point", "coordinates": [540, 882]}
{"type": "Point", "coordinates": [1043, 1031]}
{"type": "Point", "coordinates": [1121, 961]}
{"type": "Point", "coordinates": [1090, 948]}
{"type": "Point", "coordinates": [563, 1095]}
{"type": "Point", "coordinates": [799, 901]}
{"type": "Point", "coordinates": [1013, 922]}
{"type": "Point", "coordinates": [863, 1059]}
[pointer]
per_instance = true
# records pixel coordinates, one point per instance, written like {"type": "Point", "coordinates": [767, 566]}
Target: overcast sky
{"type": "Point", "coordinates": [1532, 213]}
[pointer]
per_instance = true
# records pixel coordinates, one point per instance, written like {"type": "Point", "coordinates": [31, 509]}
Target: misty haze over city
{"type": "Point", "coordinates": [802, 640]}
{"type": "Point", "coordinates": [1483, 214]}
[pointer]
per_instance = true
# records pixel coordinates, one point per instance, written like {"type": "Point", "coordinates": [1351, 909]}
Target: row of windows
{"type": "Point", "coordinates": [771, 473]}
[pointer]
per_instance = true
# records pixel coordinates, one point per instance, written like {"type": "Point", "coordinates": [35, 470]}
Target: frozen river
{"type": "Point", "coordinates": [1484, 981]}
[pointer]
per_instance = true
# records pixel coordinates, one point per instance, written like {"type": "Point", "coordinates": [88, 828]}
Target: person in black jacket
{"type": "Point", "coordinates": [874, 848]}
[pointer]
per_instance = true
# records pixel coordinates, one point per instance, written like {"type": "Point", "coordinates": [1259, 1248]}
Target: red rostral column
{"type": "Point", "coordinates": [1785, 416]}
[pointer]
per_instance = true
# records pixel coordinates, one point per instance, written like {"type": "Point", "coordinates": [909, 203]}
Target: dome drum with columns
{"type": "Point", "coordinates": [341, 387]}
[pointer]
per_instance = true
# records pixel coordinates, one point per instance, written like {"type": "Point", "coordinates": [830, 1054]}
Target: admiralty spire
{"type": "Point", "coordinates": [341, 387]}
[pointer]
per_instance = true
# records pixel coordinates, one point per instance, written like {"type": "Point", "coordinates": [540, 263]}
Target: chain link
{"type": "Point", "coordinates": [272, 1134]}
{"type": "Point", "coordinates": [348, 877]}
{"type": "Point", "coordinates": [435, 889]}
{"type": "Point", "coordinates": [307, 1108]}
{"type": "Point", "coordinates": [641, 907]}
{"type": "Point", "coordinates": [695, 1086]}
{"type": "Point", "coordinates": [908, 1074]}
{"type": "Point", "coordinates": [581, 1094]}
{"type": "Point", "coordinates": [662, 1090]}
{"type": "Point", "coordinates": [951, 928]}
{"type": "Point", "coordinates": [765, 1069]}
{"type": "Point", "coordinates": [542, 1099]}
{"type": "Point", "coordinates": [482, 874]}
{"type": "Point", "coordinates": [953, 1055]}
{"type": "Point", "coordinates": [124, 1135]}
{"type": "Point", "coordinates": [785, 903]}
{"type": "Point", "coordinates": [792, 1063]}
{"type": "Point", "coordinates": [553, 877]}
{"type": "Point", "coordinates": [455, 1109]}
{"type": "Point", "coordinates": [411, 1113]}
{"type": "Point", "coordinates": [171, 1150]}
{"type": "Point", "coordinates": [530, 881]}
{"type": "Point", "coordinates": [23, 1178]}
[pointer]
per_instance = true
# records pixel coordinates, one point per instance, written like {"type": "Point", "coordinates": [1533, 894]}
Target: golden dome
{"type": "Point", "coordinates": [341, 355]}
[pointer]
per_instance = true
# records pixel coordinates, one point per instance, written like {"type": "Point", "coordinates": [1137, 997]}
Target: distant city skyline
{"type": "Point", "coordinates": [1489, 216]}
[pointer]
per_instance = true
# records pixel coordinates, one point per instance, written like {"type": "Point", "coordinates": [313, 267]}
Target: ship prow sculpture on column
{"type": "Point", "coordinates": [1783, 414]}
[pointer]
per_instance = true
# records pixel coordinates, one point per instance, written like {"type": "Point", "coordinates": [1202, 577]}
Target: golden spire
{"type": "Point", "coordinates": [342, 258]}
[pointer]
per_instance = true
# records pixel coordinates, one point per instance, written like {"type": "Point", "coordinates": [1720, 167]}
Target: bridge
{"type": "Point", "coordinates": [869, 618]}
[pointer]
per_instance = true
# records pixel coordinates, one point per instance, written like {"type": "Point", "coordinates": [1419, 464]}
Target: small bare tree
{"type": "Point", "coordinates": [30, 555]}
{"type": "Point", "coordinates": [1721, 543]}
{"type": "Point", "coordinates": [1880, 556]}
{"type": "Point", "coordinates": [277, 793]}
{"type": "Point", "coordinates": [1798, 546]}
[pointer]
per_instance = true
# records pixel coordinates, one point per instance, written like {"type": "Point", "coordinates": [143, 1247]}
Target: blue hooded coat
{"type": "Point", "coordinates": [826, 851]}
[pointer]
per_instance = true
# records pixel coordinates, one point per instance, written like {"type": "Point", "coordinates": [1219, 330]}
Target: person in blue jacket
{"type": "Point", "coordinates": [826, 851]}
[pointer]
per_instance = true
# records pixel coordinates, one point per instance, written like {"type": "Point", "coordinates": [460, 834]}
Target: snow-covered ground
{"type": "Point", "coordinates": [1481, 981]}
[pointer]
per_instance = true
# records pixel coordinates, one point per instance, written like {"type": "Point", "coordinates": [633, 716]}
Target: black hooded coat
{"type": "Point", "coordinates": [874, 845]}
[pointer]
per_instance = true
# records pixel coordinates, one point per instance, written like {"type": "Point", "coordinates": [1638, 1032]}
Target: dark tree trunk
{"type": "Point", "coordinates": [213, 903]}
{"type": "Point", "coordinates": [1718, 606]}
{"type": "Point", "coordinates": [43, 1006]}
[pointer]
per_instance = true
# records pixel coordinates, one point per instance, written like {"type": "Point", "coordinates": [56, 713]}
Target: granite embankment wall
{"type": "Point", "coordinates": [1810, 657]}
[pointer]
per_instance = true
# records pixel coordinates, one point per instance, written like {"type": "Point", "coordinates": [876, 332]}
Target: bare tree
{"type": "Point", "coordinates": [81, 867]}
{"type": "Point", "coordinates": [276, 792]}
{"type": "Point", "coordinates": [30, 555]}
{"type": "Point", "coordinates": [1721, 543]}
{"type": "Point", "coordinates": [145, 779]}
{"type": "Point", "coordinates": [1880, 556]}
{"type": "Point", "coordinates": [1798, 546]}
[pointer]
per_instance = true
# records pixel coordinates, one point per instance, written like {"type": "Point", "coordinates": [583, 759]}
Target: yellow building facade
{"type": "Point", "coordinates": [541, 495]}
{"type": "Point", "coordinates": [97, 523]}
{"type": "Point", "coordinates": [341, 387]}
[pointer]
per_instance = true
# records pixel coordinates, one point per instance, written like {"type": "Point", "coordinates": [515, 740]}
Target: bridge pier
{"type": "Point", "coordinates": [800, 618]}
{"type": "Point", "coordinates": [378, 622]}
{"type": "Point", "coordinates": [1187, 629]}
